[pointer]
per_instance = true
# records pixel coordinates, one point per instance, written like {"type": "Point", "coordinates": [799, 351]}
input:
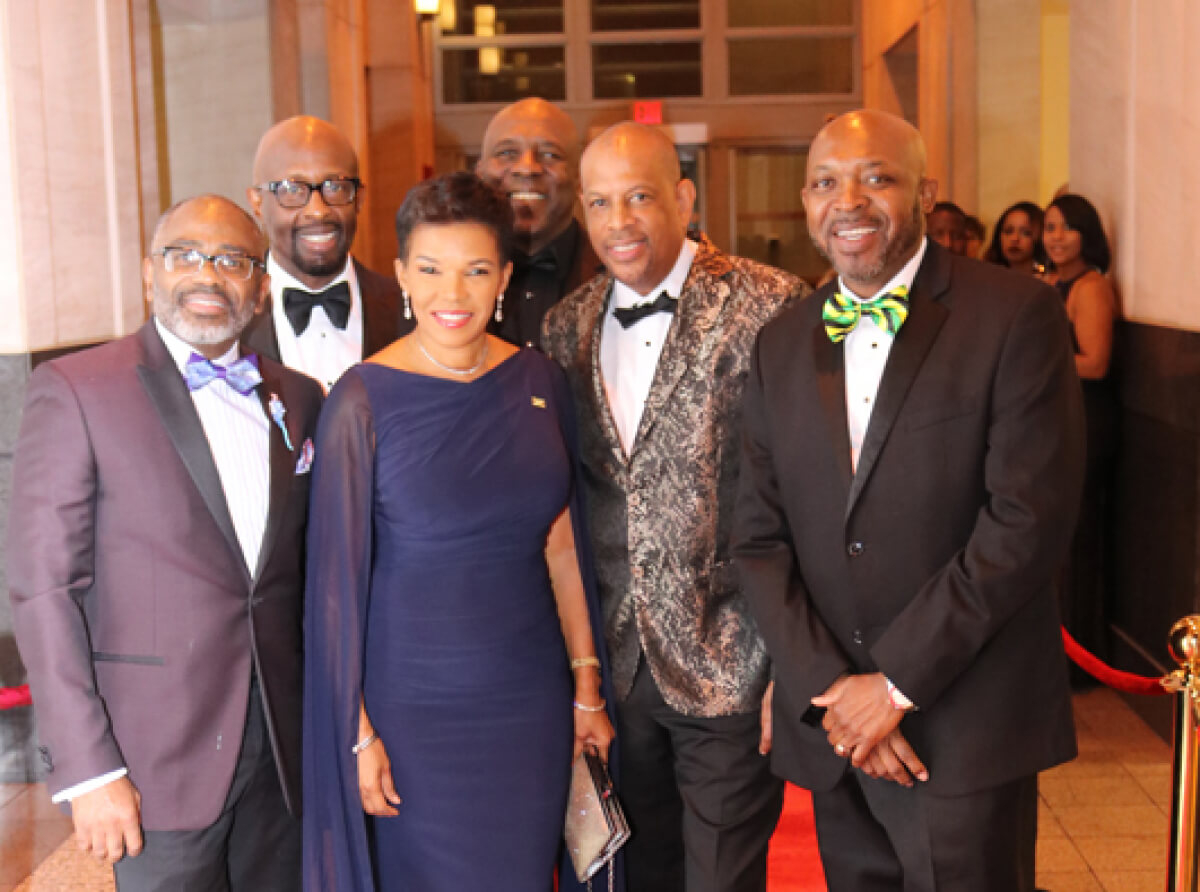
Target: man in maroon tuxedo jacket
{"type": "Point", "coordinates": [155, 564]}
{"type": "Point", "coordinates": [910, 478]}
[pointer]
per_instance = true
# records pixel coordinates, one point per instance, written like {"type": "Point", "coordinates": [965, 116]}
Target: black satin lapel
{"type": "Point", "coordinates": [164, 385]}
{"type": "Point", "coordinates": [259, 336]}
{"type": "Point", "coordinates": [909, 350]}
{"type": "Point", "coordinates": [283, 465]}
{"type": "Point", "coordinates": [700, 304]}
{"type": "Point", "coordinates": [590, 348]}
{"type": "Point", "coordinates": [831, 385]}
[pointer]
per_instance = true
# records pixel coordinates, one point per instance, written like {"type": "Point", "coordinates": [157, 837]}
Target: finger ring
{"type": "Point", "coordinates": [839, 749]}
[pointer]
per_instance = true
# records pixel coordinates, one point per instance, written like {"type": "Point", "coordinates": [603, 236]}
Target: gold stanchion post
{"type": "Point", "coordinates": [1183, 874]}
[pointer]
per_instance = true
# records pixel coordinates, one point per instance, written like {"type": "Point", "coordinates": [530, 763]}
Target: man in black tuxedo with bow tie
{"type": "Point", "coordinates": [328, 311]}
{"type": "Point", "coordinates": [911, 470]}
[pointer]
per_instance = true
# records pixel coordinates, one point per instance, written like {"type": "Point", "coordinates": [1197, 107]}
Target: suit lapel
{"type": "Point", "coordinates": [283, 463]}
{"type": "Point", "coordinates": [259, 336]}
{"type": "Point", "coordinates": [925, 318]}
{"type": "Point", "coordinates": [593, 313]}
{"type": "Point", "coordinates": [831, 387]}
{"type": "Point", "coordinates": [700, 303]}
{"type": "Point", "coordinates": [169, 395]}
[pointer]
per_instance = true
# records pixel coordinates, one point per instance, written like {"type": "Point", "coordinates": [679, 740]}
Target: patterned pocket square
{"type": "Point", "coordinates": [304, 463]}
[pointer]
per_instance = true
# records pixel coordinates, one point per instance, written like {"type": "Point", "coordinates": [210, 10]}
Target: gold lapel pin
{"type": "Point", "coordinates": [538, 402]}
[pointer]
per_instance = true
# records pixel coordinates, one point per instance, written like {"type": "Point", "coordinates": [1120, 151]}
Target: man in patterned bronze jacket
{"type": "Point", "coordinates": [656, 351]}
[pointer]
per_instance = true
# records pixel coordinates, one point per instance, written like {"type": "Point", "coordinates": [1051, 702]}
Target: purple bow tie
{"type": "Point", "coordinates": [242, 375]}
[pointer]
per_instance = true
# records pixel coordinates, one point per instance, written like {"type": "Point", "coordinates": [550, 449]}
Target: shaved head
{"type": "Point", "coordinates": [210, 206]}
{"type": "Point", "coordinates": [866, 196]}
{"type": "Point", "coordinates": [530, 153]}
{"type": "Point", "coordinates": [299, 135]}
{"type": "Point", "coordinates": [312, 243]}
{"type": "Point", "coordinates": [636, 203]}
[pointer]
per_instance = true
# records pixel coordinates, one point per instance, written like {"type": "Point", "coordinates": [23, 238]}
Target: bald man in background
{"type": "Point", "coordinates": [659, 412]}
{"type": "Point", "coordinates": [327, 310]}
{"type": "Point", "coordinates": [531, 154]}
{"type": "Point", "coordinates": [912, 467]}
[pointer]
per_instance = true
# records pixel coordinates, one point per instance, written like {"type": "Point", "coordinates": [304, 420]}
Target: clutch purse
{"type": "Point", "coordinates": [595, 827]}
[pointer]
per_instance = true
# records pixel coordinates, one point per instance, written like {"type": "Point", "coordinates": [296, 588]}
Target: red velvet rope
{"type": "Point", "coordinates": [1125, 682]}
{"type": "Point", "coordinates": [11, 698]}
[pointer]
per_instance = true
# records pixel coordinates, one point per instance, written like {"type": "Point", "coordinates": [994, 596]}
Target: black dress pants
{"type": "Point", "coordinates": [253, 846]}
{"type": "Point", "coordinates": [701, 802]}
{"type": "Point", "coordinates": [876, 836]}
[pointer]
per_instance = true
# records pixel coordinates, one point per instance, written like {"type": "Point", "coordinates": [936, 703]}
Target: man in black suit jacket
{"type": "Point", "coordinates": [156, 574]}
{"type": "Point", "coordinates": [907, 497]}
{"type": "Point", "coordinates": [328, 311]}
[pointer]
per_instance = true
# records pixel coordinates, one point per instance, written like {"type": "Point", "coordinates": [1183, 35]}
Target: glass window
{"type": "Point", "coordinates": [644, 15]}
{"type": "Point", "coordinates": [640, 70]}
{"type": "Point", "coordinates": [770, 223]}
{"type": "Point", "coordinates": [762, 66]}
{"type": "Point", "coordinates": [790, 13]}
{"type": "Point", "coordinates": [469, 19]}
{"type": "Point", "coordinates": [494, 74]}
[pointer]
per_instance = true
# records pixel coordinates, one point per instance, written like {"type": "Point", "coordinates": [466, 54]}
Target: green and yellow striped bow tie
{"type": "Point", "coordinates": [841, 313]}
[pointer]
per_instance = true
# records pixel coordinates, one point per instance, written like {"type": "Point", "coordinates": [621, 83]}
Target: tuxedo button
{"type": "Point", "coordinates": [854, 549]}
{"type": "Point", "coordinates": [857, 637]}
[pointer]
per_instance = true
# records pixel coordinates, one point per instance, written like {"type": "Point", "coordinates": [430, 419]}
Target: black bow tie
{"type": "Point", "coordinates": [298, 305]}
{"type": "Point", "coordinates": [627, 316]}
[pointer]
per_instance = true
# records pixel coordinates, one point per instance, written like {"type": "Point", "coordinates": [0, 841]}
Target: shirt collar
{"type": "Point", "coordinates": [905, 277]}
{"type": "Point", "coordinates": [624, 296]}
{"type": "Point", "coordinates": [181, 351]}
{"type": "Point", "coordinates": [561, 248]}
{"type": "Point", "coordinates": [281, 278]}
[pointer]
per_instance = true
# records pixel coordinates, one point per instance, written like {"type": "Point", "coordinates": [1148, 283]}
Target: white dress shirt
{"type": "Point", "coordinates": [629, 356]}
{"type": "Point", "coordinates": [865, 352]}
{"type": "Point", "coordinates": [323, 351]}
{"type": "Point", "coordinates": [238, 434]}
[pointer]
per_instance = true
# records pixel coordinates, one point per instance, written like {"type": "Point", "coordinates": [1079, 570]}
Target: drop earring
{"type": "Point", "coordinates": [407, 306]}
{"type": "Point", "coordinates": [500, 307]}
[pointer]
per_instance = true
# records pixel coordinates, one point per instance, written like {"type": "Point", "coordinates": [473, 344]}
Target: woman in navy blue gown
{"type": "Point", "coordinates": [452, 670]}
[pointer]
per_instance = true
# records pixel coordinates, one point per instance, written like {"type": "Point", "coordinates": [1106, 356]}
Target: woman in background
{"type": "Point", "coordinates": [1017, 239]}
{"type": "Point", "coordinates": [1079, 258]}
{"type": "Point", "coordinates": [452, 670]}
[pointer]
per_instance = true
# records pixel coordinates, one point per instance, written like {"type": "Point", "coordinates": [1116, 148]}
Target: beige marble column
{"type": "Point", "coordinates": [70, 212]}
{"type": "Point", "coordinates": [380, 96]}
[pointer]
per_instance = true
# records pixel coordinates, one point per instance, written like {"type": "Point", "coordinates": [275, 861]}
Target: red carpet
{"type": "Point", "coordinates": [794, 864]}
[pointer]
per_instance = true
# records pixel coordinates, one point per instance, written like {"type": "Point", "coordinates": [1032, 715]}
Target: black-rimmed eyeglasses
{"type": "Point", "coordinates": [177, 259]}
{"type": "Point", "coordinates": [336, 191]}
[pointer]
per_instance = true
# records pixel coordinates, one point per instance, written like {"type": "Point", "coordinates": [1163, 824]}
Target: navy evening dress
{"type": "Point", "coordinates": [428, 593]}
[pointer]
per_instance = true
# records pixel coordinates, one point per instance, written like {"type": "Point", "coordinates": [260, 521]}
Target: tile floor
{"type": "Point", "coordinates": [1103, 826]}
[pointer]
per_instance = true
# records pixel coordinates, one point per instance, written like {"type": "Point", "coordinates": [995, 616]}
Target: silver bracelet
{"type": "Point", "coordinates": [585, 708]}
{"type": "Point", "coordinates": [364, 743]}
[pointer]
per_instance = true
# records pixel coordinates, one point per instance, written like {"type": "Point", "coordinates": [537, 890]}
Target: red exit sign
{"type": "Point", "coordinates": [649, 112]}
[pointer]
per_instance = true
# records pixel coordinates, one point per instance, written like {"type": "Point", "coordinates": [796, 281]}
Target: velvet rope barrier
{"type": "Point", "coordinates": [1125, 682]}
{"type": "Point", "coordinates": [11, 698]}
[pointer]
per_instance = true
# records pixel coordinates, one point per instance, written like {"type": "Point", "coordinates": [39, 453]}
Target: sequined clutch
{"type": "Point", "coordinates": [595, 826]}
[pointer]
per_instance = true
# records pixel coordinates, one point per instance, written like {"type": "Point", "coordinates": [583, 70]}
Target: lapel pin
{"type": "Point", "coordinates": [276, 407]}
{"type": "Point", "coordinates": [538, 402]}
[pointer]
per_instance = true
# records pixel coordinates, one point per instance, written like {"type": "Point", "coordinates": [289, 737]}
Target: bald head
{"type": "Point", "coordinates": [530, 153]}
{"type": "Point", "coordinates": [203, 278]}
{"type": "Point", "coordinates": [867, 196]}
{"type": "Point", "coordinates": [311, 242]}
{"type": "Point", "coordinates": [636, 203]}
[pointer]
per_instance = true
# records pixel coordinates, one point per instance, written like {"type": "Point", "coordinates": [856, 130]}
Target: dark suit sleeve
{"type": "Point", "coordinates": [805, 655]}
{"type": "Point", "coordinates": [1033, 476]}
{"type": "Point", "coordinates": [51, 573]}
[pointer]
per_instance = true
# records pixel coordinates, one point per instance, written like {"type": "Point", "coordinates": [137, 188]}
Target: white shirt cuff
{"type": "Point", "coordinates": [899, 701]}
{"type": "Point", "coordinates": [88, 785]}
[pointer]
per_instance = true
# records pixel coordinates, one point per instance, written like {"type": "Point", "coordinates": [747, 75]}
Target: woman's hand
{"type": "Point", "coordinates": [375, 784]}
{"type": "Point", "coordinates": [592, 729]}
